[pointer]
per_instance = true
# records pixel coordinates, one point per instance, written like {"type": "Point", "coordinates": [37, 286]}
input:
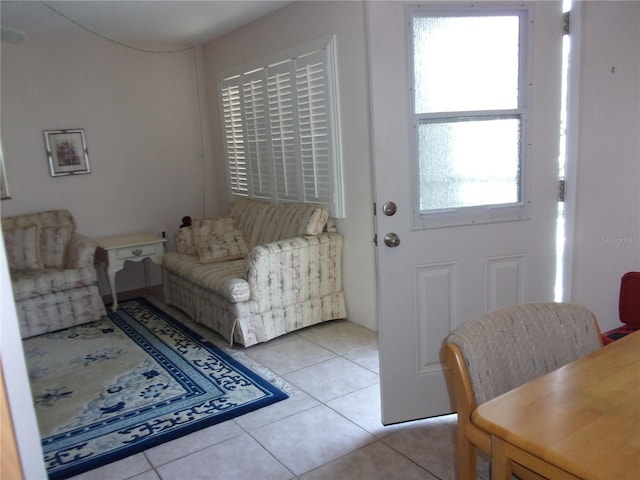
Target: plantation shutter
{"type": "Point", "coordinates": [256, 134]}
{"type": "Point", "coordinates": [311, 81]}
{"type": "Point", "coordinates": [281, 134]}
{"type": "Point", "coordinates": [234, 137]}
{"type": "Point", "coordinates": [284, 133]}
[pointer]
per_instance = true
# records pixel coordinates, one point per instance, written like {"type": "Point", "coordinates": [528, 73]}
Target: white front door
{"type": "Point", "coordinates": [439, 278]}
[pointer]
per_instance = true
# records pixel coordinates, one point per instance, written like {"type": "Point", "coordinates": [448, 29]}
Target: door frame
{"type": "Point", "coordinates": [571, 148]}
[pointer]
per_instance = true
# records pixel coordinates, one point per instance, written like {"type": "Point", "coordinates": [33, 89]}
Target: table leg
{"type": "Point", "coordinates": [500, 462]}
{"type": "Point", "coordinates": [111, 275]}
{"type": "Point", "coordinates": [146, 273]}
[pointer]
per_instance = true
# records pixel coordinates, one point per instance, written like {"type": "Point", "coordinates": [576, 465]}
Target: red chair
{"type": "Point", "coordinates": [629, 307]}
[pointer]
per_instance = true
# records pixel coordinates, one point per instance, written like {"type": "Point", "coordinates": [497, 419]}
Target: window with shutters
{"type": "Point", "coordinates": [281, 128]}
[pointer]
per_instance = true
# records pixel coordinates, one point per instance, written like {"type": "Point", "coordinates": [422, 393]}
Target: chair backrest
{"type": "Point", "coordinates": [510, 346]}
{"type": "Point", "coordinates": [629, 305]}
{"type": "Point", "coordinates": [38, 240]}
{"type": "Point", "coordinates": [42, 219]}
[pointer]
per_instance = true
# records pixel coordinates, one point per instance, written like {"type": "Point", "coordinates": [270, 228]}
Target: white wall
{"type": "Point", "coordinates": [294, 25]}
{"type": "Point", "coordinates": [140, 116]}
{"type": "Point", "coordinates": [607, 231]}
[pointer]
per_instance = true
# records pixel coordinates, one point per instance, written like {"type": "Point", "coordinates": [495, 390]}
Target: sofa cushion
{"type": "Point", "coordinates": [221, 247]}
{"type": "Point", "coordinates": [22, 244]}
{"type": "Point", "coordinates": [249, 214]}
{"type": "Point", "coordinates": [55, 230]}
{"type": "Point", "coordinates": [298, 219]}
{"type": "Point", "coordinates": [54, 240]}
{"type": "Point", "coordinates": [203, 227]}
{"type": "Point", "coordinates": [28, 284]}
{"type": "Point", "coordinates": [262, 222]}
{"type": "Point", "coordinates": [50, 217]}
{"type": "Point", "coordinates": [227, 279]}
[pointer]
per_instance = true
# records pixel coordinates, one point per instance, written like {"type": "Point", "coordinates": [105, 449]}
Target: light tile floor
{"type": "Point", "coordinates": [328, 428]}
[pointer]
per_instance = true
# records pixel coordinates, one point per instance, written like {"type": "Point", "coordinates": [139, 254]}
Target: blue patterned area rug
{"type": "Point", "coordinates": [112, 388]}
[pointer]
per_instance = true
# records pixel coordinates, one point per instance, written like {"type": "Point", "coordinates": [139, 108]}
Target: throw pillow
{"type": "Point", "coordinates": [53, 245]}
{"type": "Point", "coordinates": [187, 238]}
{"type": "Point", "coordinates": [23, 247]}
{"type": "Point", "coordinates": [221, 247]}
{"type": "Point", "coordinates": [184, 241]}
{"type": "Point", "coordinates": [203, 227]}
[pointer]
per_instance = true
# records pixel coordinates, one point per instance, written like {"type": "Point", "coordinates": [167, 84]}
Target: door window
{"type": "Point", "coordinates": [469, 116]}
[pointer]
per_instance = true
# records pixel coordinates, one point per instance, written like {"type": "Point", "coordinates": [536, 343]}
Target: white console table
{"type": "Point", "coordinates": [113, 252]}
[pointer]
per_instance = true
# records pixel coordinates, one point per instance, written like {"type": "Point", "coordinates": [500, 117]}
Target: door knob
{"type": "Point", "coordinates": [391, 240]}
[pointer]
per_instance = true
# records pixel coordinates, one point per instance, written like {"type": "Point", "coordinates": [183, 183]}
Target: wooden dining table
{"type": "Point", "coordinates": [581, 421]}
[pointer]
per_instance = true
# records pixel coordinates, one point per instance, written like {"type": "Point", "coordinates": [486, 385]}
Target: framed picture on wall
{"type": "Point", "coordinates": [4, 186]}
{"type": "Point", "coordinates": [67, 152]}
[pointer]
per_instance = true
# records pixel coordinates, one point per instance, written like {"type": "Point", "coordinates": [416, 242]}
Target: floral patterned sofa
{"type": "Point", "coordinates": [261, 271]}
{"type": "Point", "coordinates": [54, 280]}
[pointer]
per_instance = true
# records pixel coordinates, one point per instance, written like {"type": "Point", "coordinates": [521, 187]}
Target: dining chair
{"type": "Point", "coordinates": [628, 308]}
{"type": "Point", "coordinates": [503, 349]}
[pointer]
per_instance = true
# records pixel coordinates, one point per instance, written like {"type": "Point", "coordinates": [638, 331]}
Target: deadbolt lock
{"type": "Point", "coordinates": [389, 209]}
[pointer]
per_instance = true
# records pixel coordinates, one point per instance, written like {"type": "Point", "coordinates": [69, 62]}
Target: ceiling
{"type": "Point", "coordinates": [162, 21]}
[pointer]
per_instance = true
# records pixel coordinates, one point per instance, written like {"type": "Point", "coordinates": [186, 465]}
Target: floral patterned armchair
{"type": "Point", "coordinates": [54, 280]}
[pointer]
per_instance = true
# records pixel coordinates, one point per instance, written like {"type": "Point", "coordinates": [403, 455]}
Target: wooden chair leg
{"type": "Point", "coordinates": [467, 458]}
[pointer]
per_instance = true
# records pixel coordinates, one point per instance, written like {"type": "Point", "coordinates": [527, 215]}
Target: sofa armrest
{"type": "Point", "coordinates": [82, 251]}
{"type": "Point", "coordinates": [288, 272]}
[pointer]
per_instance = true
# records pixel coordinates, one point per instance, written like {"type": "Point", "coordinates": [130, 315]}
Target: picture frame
{"type": "Point", "coordinates": [4, 186]}
{"type": "Point", "coordinates": [67, 152]}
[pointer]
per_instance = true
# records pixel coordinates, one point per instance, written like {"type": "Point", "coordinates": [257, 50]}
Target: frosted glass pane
{"type": "Point", "coordinates": [469, 163]}
{"type": "Point", "coordinates": [465, 63]}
